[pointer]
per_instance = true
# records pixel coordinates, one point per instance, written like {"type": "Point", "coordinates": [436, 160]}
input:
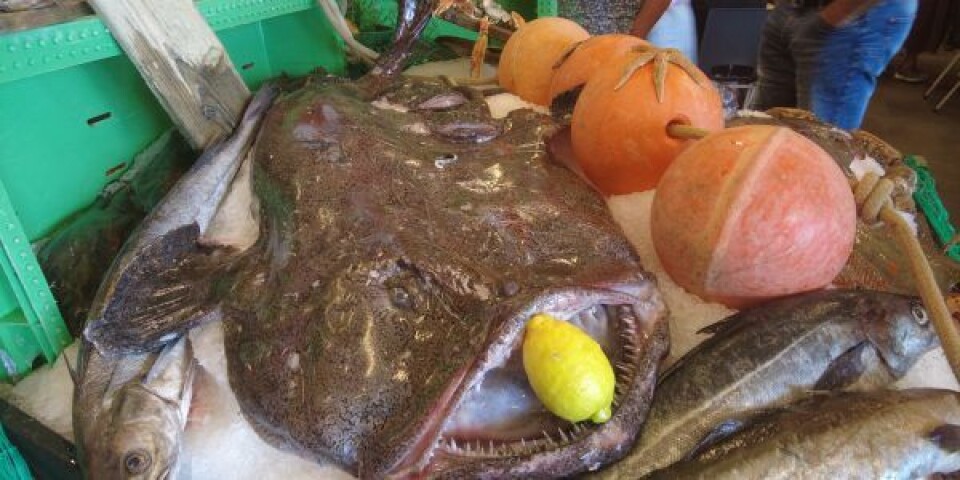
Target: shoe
{"type": "Point", "coordinates": [911, 77]}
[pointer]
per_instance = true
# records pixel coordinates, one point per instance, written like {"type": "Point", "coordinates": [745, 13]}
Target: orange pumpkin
{"type": "Point", "coordinates": [527, 60]}
{"type": "Point", "coordinates": [588, 56]}
{"type": "Point", "coordinates": [619, 124]}
{"type": "Point", "coordinates": [752, 213]}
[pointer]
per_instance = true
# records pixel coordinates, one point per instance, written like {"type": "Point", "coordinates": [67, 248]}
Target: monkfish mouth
{"type": "Point", "coordinates": [498, 417]}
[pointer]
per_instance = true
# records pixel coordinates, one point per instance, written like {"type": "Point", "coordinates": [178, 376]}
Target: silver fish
{"type": "Point", "coordinates": [130, 413]}
{"type": "Point", "coordinates": [170, 240]}
{"type": "Point", "coordinates": [886, 434]}
{"type": "Point", "coordinates": [769, 355]}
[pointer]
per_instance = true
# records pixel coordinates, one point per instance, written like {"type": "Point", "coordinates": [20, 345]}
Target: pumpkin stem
{"type": "Point", "coordinates": [686, 132]}
{"type": "Point", "coordinates": [662, 58]}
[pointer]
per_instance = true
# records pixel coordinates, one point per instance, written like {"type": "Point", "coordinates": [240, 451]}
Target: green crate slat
{"type": "Point", "coordinates": [547, 8]}
{"type": "Point", "coordinates": [30, 287]}
{"type": "Point", "coordinates": [56, 47]}
{"type": "Point", "coordinates": [81, 112]}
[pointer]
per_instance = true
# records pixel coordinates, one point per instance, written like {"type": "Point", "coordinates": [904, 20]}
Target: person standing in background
{"type": "Point", "coordinates": [665, 23]}
{"type": "Point", "coordinates": [672, 26]}
{"type": "Point", "coordinates": [928, 32]}
{"type": "Point", "coordinates": [825, 55]}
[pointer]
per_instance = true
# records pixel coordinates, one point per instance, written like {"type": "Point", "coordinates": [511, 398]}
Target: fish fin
{"type": "Point", "coordinates": [162, 292]}
{"type": "Point", "coordinates": [844, 370]}
{"type": "Point", "coordinates": [946, 436]}
{"type": "Point", "coordinates": [728, 325]}
{"type": "Point", "coordinates": [171, 374]}
{"type": "Point", "coordinates": [718, 330]}
{"type": "Point", "coordinates": [715, 328]}
{"type": "Point", "coordinates": [722, 431]}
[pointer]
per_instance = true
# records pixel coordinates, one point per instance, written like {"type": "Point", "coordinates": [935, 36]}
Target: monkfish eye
{"type": "Point", "coordinates": [919, 314]}
{"type": "Point", "coordinates": [137, 462]}
{"type": "Point", "coordinates": [401, 298]}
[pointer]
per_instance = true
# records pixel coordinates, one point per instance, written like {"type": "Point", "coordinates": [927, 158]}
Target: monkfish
{"type": "Point", "coordinates": [374, 265]}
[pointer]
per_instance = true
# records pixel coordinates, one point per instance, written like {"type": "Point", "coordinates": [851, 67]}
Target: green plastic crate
{"type": "Point", "coordinates": [74, 111]}
{"type": "Point", "coordinates": [12, 464]}
{"type": "Point", "coordinates": [929, 201]}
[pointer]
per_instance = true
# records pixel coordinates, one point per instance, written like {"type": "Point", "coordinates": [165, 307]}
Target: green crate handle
{"type": "Point", "coordinates": [929, 201]}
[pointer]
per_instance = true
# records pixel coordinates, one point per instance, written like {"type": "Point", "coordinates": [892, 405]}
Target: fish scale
{"type": "Point", "coordinates": [882, 434]}
{"type": "Point", "coordinates": [770, 355]}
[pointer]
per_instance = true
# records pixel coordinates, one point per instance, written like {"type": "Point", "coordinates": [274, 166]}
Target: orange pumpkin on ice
{"type": "Point", "coordinates": [527, 60]}
{"type": "Point", "coordinates": [587, 57]}
{"type": "Point", "coordinates": [619, 125]}
{"type": "Point", "coordinates": [752, 213]}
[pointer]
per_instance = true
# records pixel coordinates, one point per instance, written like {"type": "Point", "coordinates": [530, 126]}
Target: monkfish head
{"type": "Point", "coordinates": [419, 373]}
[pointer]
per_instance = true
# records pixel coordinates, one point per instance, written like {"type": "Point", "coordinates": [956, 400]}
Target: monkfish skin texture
{"type": "Point", "coordinates": [397, 265]}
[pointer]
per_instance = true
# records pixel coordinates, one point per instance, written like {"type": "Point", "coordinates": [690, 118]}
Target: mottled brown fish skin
{"type": "Point", "coordinates": [393, 264]}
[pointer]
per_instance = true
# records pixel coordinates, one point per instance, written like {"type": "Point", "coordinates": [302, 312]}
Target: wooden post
{"type": "Point", "coordinates": [183, 63]}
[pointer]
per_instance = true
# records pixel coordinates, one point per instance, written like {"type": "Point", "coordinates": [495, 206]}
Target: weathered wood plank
{"type": "Point", "coordinates": [40, 17]}
{"type": "Point", "coordinates": [183, 63]}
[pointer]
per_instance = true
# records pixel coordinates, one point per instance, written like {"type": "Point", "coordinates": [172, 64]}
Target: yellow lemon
{"type": "Point", "coordinates": [568, 370]}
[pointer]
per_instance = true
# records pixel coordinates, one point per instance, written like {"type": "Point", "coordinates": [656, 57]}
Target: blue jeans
{"type": "Point", "coordinates": [832, 72]}
{"type": "Point", "coordinates": [677, 28]}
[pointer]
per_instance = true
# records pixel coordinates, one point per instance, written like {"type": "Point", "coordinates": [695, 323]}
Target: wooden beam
{"type": "Point", "coordinates": [183, 63]}
{"type": "Point", "coordinates": [41, 17]}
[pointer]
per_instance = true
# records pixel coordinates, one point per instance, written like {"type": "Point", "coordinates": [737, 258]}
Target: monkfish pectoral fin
{"type": "Point", "coordinates": [946, 436]}
{"type": "Point", "coordinates": [844, 370]}
{"type": "Point", "coordinates": [167, 289]}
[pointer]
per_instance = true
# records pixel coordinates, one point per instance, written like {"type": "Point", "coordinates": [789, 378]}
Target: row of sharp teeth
{"type": "Point", "coordinates": [627, 366]}
{"type": "Point", "coordinates": [625, 370]}
{"type": "Point", "coordinates": [478, 448]}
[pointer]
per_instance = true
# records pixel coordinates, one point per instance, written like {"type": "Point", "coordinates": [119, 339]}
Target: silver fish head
{"type": "Point", "coordinates": [140, 439]}
{"type": "Point", "coordinates": [899, 328]}
{"type": "Point", "coordinates": [133, 427]}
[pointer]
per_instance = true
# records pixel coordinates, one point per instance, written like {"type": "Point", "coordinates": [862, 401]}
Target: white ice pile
{"type": "Point", "coordinates": [219, 441]}
{"type": "Point", "coordinates": [688, 313]}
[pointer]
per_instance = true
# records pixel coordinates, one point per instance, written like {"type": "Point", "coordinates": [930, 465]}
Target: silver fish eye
{"type": "Point", "coordinates": [919, 314]}
{"type": "Point", "coordinates": [137, 462]}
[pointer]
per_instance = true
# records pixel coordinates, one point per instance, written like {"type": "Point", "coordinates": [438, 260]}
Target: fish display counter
{"type": "Point", "coordinates": [416, 274]}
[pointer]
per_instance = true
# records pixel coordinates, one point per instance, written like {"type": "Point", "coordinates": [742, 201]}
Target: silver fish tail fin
{"type": "Point", "coordinates": [412, 18]}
